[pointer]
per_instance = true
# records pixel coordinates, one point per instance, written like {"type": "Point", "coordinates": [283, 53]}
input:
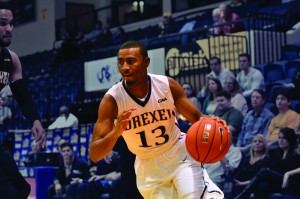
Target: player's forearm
{"type": "Point", "coordinates": [100, 147]}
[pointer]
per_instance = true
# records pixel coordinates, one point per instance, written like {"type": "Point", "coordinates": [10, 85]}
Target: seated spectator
{"type": "Point", "coordinates": [190, 93]}
{"type": "Point", "coordinates": [5, 112]}
{"type": "Point", "coordinates": [217, 71]}
{"type": "Point", "coordinates": [119, 36]}
{"type": "Point", "coordinates": [31, 159]}
{"type": "Point", "coordinates": [238, 101]}
{"type": "Point", "coordinates": [92, 37]}
{"type": "Point", "coordinates": [68, 50]}
{"type": "Point", "coordinates": [249, 78]}
{"type": "Point", "coordinates": [71, 168]}
{"type": "Point", "coordinates": [285, 118]}
{"type": "Point", "coordinates": [65, 119]}
{"type": "Point", "coordinates": [282, 172]}
{"type": "Point", "coordinates": [252, 162]}
{"type": "Point", "coordinates": [6, 138]}
{"type": "Point", "coordinates": [218, 170]}
{"type": "Point", "coordinates": [231, 115]}
{"type": "Point", "coordinates": [227, 16]}
{"type": "Point", "coordinates": [256, 121]}
{"type": "Point", "coordinates": [210, 102]}
{"type": "Point", "coordinates": [216, 18]}
{"type": "Point", "coordinates": [105, 178]}
{"type": "Point", "coordinates": [106, 38]}
{"type": "Point", "coordinates": [167, 26]}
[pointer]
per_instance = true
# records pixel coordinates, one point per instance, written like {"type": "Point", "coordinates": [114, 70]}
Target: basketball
{"type": "Point", "coordinates": [208, 140]}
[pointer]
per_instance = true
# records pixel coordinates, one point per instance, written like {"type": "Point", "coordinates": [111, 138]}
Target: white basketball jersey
{"type": "Point", "coordinates": [151, 129]}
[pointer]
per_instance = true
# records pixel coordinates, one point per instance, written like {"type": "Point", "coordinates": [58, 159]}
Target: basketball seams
{"type": "Point", "coordinates": [211, 143]}
{"type": "Point", "coordinates": [205, 138]}
{"type": "Point", "coordinates": [224, 149]}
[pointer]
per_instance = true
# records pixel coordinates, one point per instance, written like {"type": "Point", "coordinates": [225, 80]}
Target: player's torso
{"type": "Point", "coordinates": [6, 66]}
{"type": "Point", "coordinates": [151, 129]}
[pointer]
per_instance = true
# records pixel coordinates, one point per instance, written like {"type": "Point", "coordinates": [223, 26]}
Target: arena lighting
{"type": "Point", "coordinates": [141, 3]}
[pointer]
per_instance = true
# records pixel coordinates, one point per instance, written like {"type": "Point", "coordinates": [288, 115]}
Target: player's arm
{"type": "Point", "coordinates": [106, 132]}
{"type": "Point", "coordinates": [182, 103]}
{"type": "Point", "coordinates": [25, 101]}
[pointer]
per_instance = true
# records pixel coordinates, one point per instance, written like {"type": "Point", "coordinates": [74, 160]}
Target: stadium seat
{"type": "Point", "coordinates": [290, 68]}
{"type": "Point", "coordinates": [273, 73]}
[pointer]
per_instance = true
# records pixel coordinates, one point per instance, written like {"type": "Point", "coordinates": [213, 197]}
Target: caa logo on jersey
{"type": "Point", "coordinates": [162, 100]}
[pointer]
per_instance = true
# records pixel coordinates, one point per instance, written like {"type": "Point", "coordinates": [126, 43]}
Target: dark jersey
{"type": "Point", "coordinates": [6, 67]}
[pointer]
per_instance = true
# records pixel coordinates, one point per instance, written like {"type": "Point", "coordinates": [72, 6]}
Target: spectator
{"type": "Point", "coordinates": [105, 178]}
{"type": "Point", "coordinates": [106, 38]}
{"type": "Point", "coordinates": [249, 78]}
{"type": "Point", "coordinates": [71, 168]}
{"type": "Point", "coordinates": [232, 116]}
{"type": "Point", "coordinates": [281, 174]}
{"type": "Point", "coordinates": [216, 18]}
{"type": "Point", "coordinates": [5, 113]}
{"type": "Point", "coordinates": [68, 50]}
{"type": "Point", "coordinates": [119, 36]}
{"type": "Point", "coordinates": [218, 170]}
{"type": "Point", "coordinates": [31, 159]}
{"type": "Point", "coordinates": [190, 93]}
{"type": "Point", "coordinates": [92, 37]}
{"type": "Point", "coordinates": [227, 16]}
{"type": "Point", "coordinates": [256, 121]}
{"type": "Point", "coordinates": [210, 102]}
{"type": "Point", "coordinates": [285, 118]}
{"type": "Point", "coordinates": [65, 119]}
{"type": "Point", "coordinates": [238, 101]}
{"type": "Point", "coordinates": [217, 71]}
{"type": "Point", "coordinates": [252, 163]}
{"type": "Point", "coordinates": [167, 26]}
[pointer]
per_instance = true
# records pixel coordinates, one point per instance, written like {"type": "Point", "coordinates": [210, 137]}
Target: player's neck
{"type": "Point", "coordinates": [140, 89]}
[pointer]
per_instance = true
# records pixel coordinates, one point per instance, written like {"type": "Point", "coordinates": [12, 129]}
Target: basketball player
{"type": "Point", "coordinates": [141, 109]}
{"type": "Point", "coordinates": [12, 184]}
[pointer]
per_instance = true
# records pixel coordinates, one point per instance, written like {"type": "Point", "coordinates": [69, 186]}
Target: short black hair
{"type": "Point", "coordinates": [261, 92]}
{"type": "Point", "coordinates": [6, 6]}
{"type": "Point", "coordinates": [224, 94]}
{"type": "Point", "coordinates": [136, 44]}
{"type": "Point", "coordinates": [285, 93]}
{"type": "Point", "coordinates": [217, 58]}
{"type": "Point", "coordinates": [66, 144]}
{"type": "Point", "coordinates": [245, 55]}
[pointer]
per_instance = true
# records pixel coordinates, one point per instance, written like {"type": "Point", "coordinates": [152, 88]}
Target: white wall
{"type": "Point", "coordinates": [36, 36]}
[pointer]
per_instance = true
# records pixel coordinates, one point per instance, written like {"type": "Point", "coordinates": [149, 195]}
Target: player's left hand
{"type": "Point", "coordinates": [39, 134]}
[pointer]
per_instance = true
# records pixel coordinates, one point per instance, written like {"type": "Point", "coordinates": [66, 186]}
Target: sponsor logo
{"type": "Point", "coordinates": [162, 100]}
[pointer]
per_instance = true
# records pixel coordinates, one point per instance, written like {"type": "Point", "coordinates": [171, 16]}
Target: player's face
{"type": "Point", "coordinates": [132, 65]}
{"type": "Point", "coordinates": [6, 27]}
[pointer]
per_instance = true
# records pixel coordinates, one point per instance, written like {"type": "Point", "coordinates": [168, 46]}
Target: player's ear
{"type": "Point", "coordinates": [147, 61]}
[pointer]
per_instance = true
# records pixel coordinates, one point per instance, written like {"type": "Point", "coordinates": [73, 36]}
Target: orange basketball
{"type": "Point", "coordinates": [208, 140]}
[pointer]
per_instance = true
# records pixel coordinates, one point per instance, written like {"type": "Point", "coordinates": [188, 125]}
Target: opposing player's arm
{"type": "Point", "coordinates": [182, 103]}
{"type": "Point", "coordinates": [17, 68]}
{"type": "Point", "coordinates": [108, 128]}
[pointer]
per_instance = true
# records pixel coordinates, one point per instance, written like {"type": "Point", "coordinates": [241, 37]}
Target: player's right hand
{"type": "Point", "coordinates": [123, 120]}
